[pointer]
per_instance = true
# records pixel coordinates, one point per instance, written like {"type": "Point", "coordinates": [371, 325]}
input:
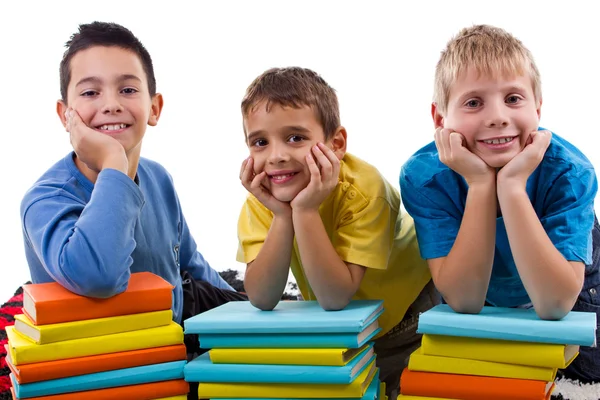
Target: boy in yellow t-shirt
{"type": "Point", "coordinates": [329, 215]}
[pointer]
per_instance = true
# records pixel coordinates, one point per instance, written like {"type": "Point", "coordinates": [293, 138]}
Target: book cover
{"type": "Point", "coordinates": [517, 324]}
{"type": "Point", "coordinates": [43, 371]}
{"type": "Point", "coordinates": [241, 317]}
{"type": "Point", "coordinates": [43, 334]}
{"type": "Point", "coordinates": [202, 369]}
{"type": "Point", "coordinates": [165, 390]}
{"type": "Point", "coordinates": [101, 380]}
{"type": "Point", "coordinates": [51, 303]}
{"type": "Point", "coordinates": [448, 365]}
{"type": "Point", "coordinates": [356, 389]}
{"type": "Point", "coordinates": [282, 356]}
{"type": "Point", "coordinates": [23, 351]}
{"type": "Point", "coordinates": [468, 387]}
{"type": "Point", "coordinates": [501, 351]}
{"type": "Point", "coordinates": [372, 393]}
{"type": "Point", "coordinates": [290, 340]}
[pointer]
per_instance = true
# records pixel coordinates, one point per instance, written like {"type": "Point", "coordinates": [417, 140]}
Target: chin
{"type": "Point", "coordinates": [499, 162]}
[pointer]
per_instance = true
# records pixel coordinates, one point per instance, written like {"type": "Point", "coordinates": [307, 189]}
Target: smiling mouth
{"type": "Point", "coordinates": [112, 127]}
{"type": "Point", "coordinates": [282, 177]}
{"type": "Point", "coordinates": [499, 141]}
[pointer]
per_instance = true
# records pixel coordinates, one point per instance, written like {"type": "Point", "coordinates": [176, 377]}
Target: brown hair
{"type": "Point", "coordinates": [295, 87]}
{"type": "Point", "coordinates": [490, 51]}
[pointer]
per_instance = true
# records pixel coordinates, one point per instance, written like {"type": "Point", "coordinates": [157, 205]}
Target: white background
{"type": "Point", "coordinates": [379, 56]}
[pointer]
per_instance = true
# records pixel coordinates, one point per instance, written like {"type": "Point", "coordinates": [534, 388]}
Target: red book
{"type": "Point", "coordinates": [51, 303]}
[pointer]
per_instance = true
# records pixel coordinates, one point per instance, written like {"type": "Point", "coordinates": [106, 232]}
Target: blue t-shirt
{"type": "Point", "coordinates": [561, 189]}
{"type": "Point", "coordinates": [90, 237]}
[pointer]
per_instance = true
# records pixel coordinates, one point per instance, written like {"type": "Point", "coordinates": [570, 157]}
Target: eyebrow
{"type": "Point", "coordinates": [511, 88]}
{"type": "Point", "coordinates": [288, 128]}
{"type": "Point", "coordinates": [97, 80]}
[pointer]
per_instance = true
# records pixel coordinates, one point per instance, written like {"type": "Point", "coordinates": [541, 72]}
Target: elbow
{"type": "Point", "coordinates": [100, 286]}
{"type": "Point", "coordinates": [263, 305]}
{"type": "Point", "coordinates": [466, 306]}
{"type": "Point", "coordinates": [553, 311]}
{"type": "Point", "coordinates": [333, 304]}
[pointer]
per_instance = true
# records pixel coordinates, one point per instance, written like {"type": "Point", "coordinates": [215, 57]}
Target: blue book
{"type": "Point", "coordinates": [101, 380]}
{"type": "Point", "coordinates": [516, 324]}
{"type": "Point", "coordinates": [240, 317]}
{"type": "Point", "coordinates": [202, 369]}
{"type": "Point", "coordinates": [290, 340]}
{"type": "Point", "coordinates": [372, 393]}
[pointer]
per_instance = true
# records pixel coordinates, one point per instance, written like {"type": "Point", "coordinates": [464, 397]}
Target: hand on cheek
{"type": "Point", "coordinates": [518, 170]}
{"type": "Point", "coordinates": [254, 183]}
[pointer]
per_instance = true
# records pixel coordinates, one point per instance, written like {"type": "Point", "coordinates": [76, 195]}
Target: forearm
{"type": "Point", "coordinates": [327, 274]}
{"type": "Point", "coordinates": [464, 277]}
{"type": "Point", "coordinates": [266, 277]}
{"type": "Point", "coordinates": [550, 280]}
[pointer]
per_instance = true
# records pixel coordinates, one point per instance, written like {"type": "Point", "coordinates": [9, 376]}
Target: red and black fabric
{"type": "Point", "coordinates": [8, 311]}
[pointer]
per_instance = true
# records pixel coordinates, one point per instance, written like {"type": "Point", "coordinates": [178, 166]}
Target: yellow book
{"type": "Point", "coordinates": [355, 389]}
{"type": "Point", "coordinates": [500, 351]}
{"type": "Point", "coordinates": [24, 351]}
{"type": "Point", "coordinates": [333, 357]}
{"type": "Point", "coordinates": [462, 366]}
{"type": "Point", "coordinates": [43, 334]}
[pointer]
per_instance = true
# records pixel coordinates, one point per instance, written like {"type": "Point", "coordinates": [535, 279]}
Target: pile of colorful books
{"type": "Point", "coordinates": [65, 346]}
{"type": "Point", "coordinates": [498, 354]}
{"type": "Point", "coordinates": [297, 350]}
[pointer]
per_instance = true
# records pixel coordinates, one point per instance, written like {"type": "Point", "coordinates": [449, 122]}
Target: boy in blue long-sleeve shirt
{"type": "Point", "coordinates": [103, 212]}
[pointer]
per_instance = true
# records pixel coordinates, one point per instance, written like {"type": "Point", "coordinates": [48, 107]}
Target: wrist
{"type": "Point", "coordinates": [303, 213]}
{"type": "Point", "coordinates": [116, 161]}
{"type": "Point", "coordinates": [508, 189]}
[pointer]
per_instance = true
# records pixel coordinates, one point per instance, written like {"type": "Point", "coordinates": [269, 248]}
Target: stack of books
{"type": "Point", "coordinates": [65, 346]}
{"type": "Point", "coordinates": [500, 353]}
{"type": "Point", "coordinates": [297, 350]}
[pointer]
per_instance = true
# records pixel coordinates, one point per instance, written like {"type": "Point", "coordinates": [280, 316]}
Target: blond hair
{"type": "Point", "coordinates": [491, 51]}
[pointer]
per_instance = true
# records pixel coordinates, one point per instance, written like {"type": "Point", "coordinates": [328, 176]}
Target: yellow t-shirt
{"type": "Point", "coordinates": [364, 222]}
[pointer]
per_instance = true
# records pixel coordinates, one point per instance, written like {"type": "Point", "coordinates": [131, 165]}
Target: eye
{"type": "Point", "coordinates": [513, 99]}
{"type": "Point", "coordinates": [259, 143]}
{"type": "Point", "coordinates": [295, 139]}
{"type": "Point", "coordinates": [89, 93]}
{"type": "Point", "coordinates": [129, 91]}
{"type": "Point", "coordinates": [473, 103]}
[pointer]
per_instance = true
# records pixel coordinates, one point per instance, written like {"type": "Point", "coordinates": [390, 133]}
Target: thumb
{"type": "Point", "coordinates": [456, 140]}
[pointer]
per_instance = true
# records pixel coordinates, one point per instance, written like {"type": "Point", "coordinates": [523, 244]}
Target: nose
{"type": "Point", "coordinates": [497, 115]}
{"type": "Point", "coordinates": [278, 153]}
{"type": "Point", "coordinates": [112, 105]}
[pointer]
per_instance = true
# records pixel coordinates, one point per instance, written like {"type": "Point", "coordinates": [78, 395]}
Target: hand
{"type": "Point", "coordinates": [322, 181]}
{"type": "Point", "coordinates": [518, 170]}
{"type": "Point", "coordinates": [453, 153]}
{"type": "Point", "coordinates": [96, 150]}
{"type": "Point", "coordinates": [254, 184]}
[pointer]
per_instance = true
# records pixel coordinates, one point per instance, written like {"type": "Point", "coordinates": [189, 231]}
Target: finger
{"type": "Point", "coordinates": [324, 162]}
{"type": "Point", "coordinates": [455, 141]}
{"type": "Point", "coordinates": [256, 183]}
{"type": "Point", "coordinates": [243, 167]}
{"type": "Point", "coordinates": [315, 173]}
{"type": "Point", "coordinates": [438, 143]}
{"type": "Point", "coordinates": [248, 173]}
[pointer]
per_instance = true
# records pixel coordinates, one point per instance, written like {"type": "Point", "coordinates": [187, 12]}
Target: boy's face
{"type": "Point", "coordinates": [279, 141]}
{"type": "Point", "coordinates": [109, 90]}
{"type": "Point", "coordinates": [496, 115]}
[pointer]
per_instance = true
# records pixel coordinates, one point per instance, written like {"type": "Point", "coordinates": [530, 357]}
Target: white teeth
{"type": "Point", "coordinates": [281, 177]}
{"type": "Point", "coordinates": [113, 127]}
{"type": "Point", "coordinates": [499, 141]}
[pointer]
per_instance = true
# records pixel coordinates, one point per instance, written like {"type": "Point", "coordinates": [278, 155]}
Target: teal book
{"type": "Point", "coordinates": [101, 380]}
{"type": "Point", "coordinates": [372, 393]}
{"type": "Point", "coordinates": [240, 317]}
{"type": "Point", "coordinates": [290, 340]}
{"type": "Point", "coordinates": [202, 369]}
{"type": "Point", "coordinates": [516, 324]}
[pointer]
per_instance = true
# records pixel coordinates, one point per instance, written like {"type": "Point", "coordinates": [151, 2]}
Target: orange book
{"type": "Point", "coordinates": [470, 387]}
{"type": "Point", "coordinates": [48, 370]}
{"type": "Point", "coordinates": [50, 303]}
{"type": "Point", "coordinates": [144, 391]}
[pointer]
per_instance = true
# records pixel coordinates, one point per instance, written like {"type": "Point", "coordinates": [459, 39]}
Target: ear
{"type": "Point", "coordinates": [438, 119]}
{"type": "Point", "coordinates": [338, 142]}
{"type": "Point", "coordinates": [156, 109]}
{"type": "Point", "coordinates": [61, 108]}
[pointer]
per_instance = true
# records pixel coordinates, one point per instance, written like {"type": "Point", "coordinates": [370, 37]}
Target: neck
{"type": "Point", "coordinates": [133, 159]}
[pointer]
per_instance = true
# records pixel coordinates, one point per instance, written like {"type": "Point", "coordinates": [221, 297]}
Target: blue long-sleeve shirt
{"type": "Point", "coordinates": [90, 237]}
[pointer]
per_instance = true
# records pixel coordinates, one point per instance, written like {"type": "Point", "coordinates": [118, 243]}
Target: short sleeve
{"type": "Point", "coordinates": [436, 214]}
{"type": "Point", "coordinates": [366, 235]}
{"type": "Point", "coordinates": [254, 223]}
{"type": "Point", "coordinates": [568, 215]}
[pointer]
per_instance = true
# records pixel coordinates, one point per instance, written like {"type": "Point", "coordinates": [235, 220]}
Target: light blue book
{"type": "Point", "coordinates": [240, 317]}
{"type": "Point", "coordinates": [101, 380]}
{"type": "Point", "coordinates": [516, 324]}
{"type": "Point", "coordinates": [202, 369]}
{"type": "Point", "coordinates": [372, 393]}
{"type": "Point", "coordinates": [290, 340]}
